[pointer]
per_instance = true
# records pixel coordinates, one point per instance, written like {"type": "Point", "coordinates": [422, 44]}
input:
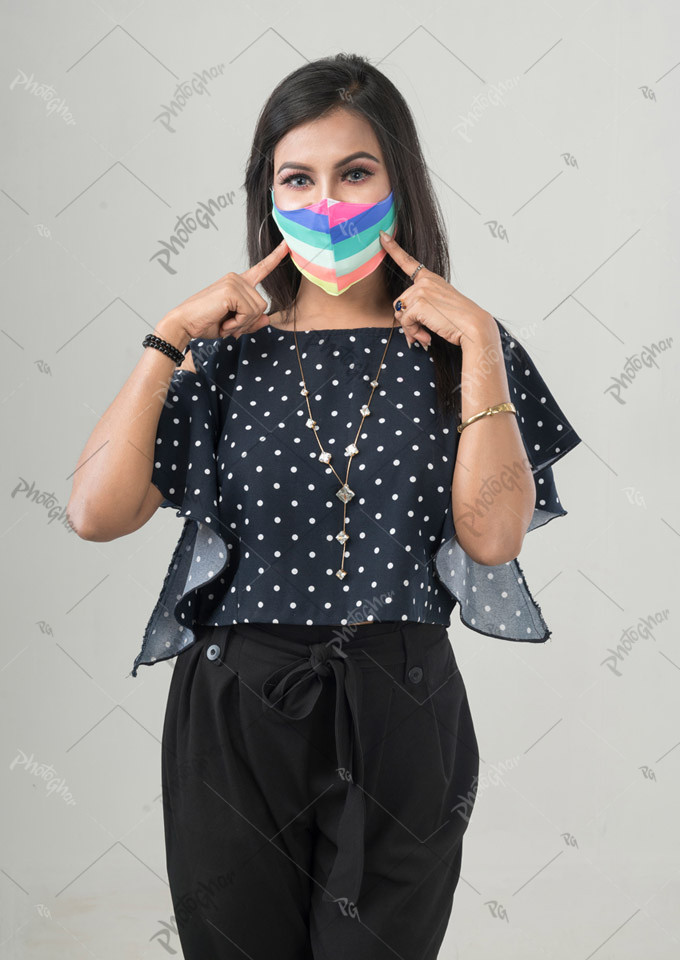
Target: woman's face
{"type": "Point", "coordinates": [311, 162]}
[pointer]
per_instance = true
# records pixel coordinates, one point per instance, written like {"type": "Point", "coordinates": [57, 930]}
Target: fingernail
{"type": "Point", "coordinates": [384, 235]}
{"type": "Point", "coordinates": [408, 343]}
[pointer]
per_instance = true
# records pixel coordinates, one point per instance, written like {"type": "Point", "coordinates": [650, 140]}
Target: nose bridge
{"type": "Point", "coordinates": [325, 179]}
{"type": "Point", "coordinates": [325, 184]}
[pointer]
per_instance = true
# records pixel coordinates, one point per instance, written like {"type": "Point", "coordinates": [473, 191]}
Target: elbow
{"type": "Point", "coordinates": [497, 544]}
{"type": "Point", "coordinates": [490, 554]}
{"type": "Point", "coordinates": [501, 555]}
{"type": "Point", "coordinates": [84, 525]}
{"type": "Point", "coordinates": [76, 522]}
{"type": "Point", "coordinates": [493, 558]}
{"type": "Point", "coordinates": [81, 527]}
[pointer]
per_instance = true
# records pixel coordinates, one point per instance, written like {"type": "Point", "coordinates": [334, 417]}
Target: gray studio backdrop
{"type": "Point", "coordinates": [550, 132]}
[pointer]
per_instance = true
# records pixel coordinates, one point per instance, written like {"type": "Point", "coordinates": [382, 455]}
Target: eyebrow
{"type": "Point", "coordinates": [340, 163]}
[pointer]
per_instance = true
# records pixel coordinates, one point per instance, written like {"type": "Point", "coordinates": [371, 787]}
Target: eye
{"type": "Point", "coordinates": [293, 176]}
{"type": "Point", "coordinates": [364, 171]}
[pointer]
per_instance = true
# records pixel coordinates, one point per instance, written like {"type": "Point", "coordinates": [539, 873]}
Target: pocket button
{"type": "Point", "coordinates": [415, 674]}
{"type": "Point", "coordinates": [213, 652]}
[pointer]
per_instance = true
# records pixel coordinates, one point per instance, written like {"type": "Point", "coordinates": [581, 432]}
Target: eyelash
{"type": "Point", "coordinates": [295, 176]}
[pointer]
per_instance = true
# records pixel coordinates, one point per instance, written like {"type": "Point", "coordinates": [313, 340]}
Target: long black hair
{"type": "Point", "coordinates": [350, 82]}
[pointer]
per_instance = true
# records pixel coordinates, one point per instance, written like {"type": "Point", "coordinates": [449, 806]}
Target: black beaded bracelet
{"type": "Point", "coordinates": [151, 340]}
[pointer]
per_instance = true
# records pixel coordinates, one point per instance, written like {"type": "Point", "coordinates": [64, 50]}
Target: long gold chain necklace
{"type": "Point", "coordinates": [351, 450]}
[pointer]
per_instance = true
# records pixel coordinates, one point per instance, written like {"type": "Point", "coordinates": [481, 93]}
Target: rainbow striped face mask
{"type": "Point", "coordinates": [335, 244]}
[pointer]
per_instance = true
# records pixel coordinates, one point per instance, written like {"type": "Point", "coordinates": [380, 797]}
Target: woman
{"type": "Point", "coordinates": [319, 756]}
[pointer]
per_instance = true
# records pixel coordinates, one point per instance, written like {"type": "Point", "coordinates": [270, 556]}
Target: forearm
{"type": "Point", "coordinates": [113, 473]}
{"type": "Point", "coordinates": [493, 492]}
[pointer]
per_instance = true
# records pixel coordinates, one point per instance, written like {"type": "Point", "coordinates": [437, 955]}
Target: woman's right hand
{"type": "Point", "coordinates": [112, 491]}
{"type": "Point", "coordinates": [231, 305]}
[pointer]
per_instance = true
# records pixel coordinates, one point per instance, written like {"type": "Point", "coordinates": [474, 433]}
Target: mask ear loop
{"type": "Point", "coordinates": [259, 233]}
{"type": "Point", "coordinates": [259, 250]}
{"type": "Point", "coordinates": [259, 236]}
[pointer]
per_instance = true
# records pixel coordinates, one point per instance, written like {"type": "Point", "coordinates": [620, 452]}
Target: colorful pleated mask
{"type": "Point", "coordinates": [333, 243]}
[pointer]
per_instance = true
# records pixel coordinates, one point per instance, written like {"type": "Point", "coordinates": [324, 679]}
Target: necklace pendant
{"type": "Point", "coordinates": [325, 457]}
{"type": "Point", "coordinates": [342, 536]}
{"type": "Point", "coordinates": [374, 383]}
{"type": "Point", "coordinates": [341, 573]}
{"type": "Point", "coordinates": [365, 410]}
{"type": "Point", "coordinates": [311, 423]}
{"type": "Point", "coordinates": [344, 493]}
{"type": "Point", "coordinates": [351, 449]}
{"type": "Point", "coordinates": [304, 391]}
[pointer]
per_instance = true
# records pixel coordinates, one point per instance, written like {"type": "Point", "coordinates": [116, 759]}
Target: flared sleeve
{"type": "Point", "coordinates": [496, 600]}
{"type": "Point", "coordinates": [185, 471]}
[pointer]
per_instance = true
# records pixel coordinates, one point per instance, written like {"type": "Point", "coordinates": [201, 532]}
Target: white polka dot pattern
{"type": "Point", "coordinates": [235, 459]}
{"type": "Point", "coordinates": [495, 600]}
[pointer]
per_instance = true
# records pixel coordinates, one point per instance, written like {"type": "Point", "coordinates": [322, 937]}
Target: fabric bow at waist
{"type": "Point", "coordinates": [292, 691]}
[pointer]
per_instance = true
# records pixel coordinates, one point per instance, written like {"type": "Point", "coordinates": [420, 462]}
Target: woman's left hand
{"type": "Point", "coordinates": [433, 304]}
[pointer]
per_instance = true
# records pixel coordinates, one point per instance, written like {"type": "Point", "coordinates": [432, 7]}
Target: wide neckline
{"type": "Point", "coordinates": [395, 327]}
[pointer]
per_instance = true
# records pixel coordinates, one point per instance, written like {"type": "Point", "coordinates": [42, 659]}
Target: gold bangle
{"type": "Point", "coordinates": [489, 412]}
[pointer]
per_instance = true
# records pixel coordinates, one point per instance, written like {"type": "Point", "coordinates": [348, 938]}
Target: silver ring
{"type": "Point", "coordinates": [419, 267]}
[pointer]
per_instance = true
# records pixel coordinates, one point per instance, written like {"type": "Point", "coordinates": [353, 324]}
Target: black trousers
{"type": "Point", "coordinates": [317, 783]}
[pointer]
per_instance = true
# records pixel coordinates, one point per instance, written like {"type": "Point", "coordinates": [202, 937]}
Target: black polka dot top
{"type": "Point", "coordinates": [235, 458]}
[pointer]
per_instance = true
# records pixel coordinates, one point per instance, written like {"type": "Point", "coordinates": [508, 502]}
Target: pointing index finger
{"type": "Point", "coordinates": [407, 263]}
{"type": "Point", "coordinates": [262, 268]}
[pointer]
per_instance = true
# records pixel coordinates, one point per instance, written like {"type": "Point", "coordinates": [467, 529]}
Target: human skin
{"type": "Point", "coordinates": [312, 157]}
{"type": "Point", "coordinates": [312, 154]}
{"type": "Point", "coordinates": [112, 492]}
